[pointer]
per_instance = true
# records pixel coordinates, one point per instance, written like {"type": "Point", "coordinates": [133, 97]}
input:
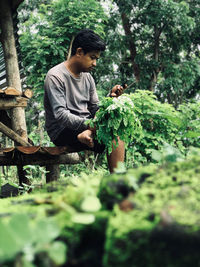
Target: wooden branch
{"type": "Point", "coordinates": [12, 91]}
{"type": "Point", "coordinates": [8, 103]}
{"type": "Point", "coordinates": [1, 91]}
{"type": "Point", "coordinates": [28, 93]}
{"type": "Point", "coordinates": [12, 135]}
{"type": "Point", "coordinates": [39, 159]}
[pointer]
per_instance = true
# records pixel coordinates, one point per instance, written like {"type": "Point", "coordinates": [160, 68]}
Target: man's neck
{"type": "Point", "coordinates": [72, 68]}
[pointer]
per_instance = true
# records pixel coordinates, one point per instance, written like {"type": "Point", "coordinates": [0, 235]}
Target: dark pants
{"type": "Point", "coordinates": [68, 137]}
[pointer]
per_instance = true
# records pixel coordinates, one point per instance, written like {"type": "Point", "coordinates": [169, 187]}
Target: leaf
{"type": "Point", "coordinates": [91, 204]}
{"type": "Point", "coordinates": [83, 218]}
{"type": "Point", "coordinates": [8, 244]}
{"type": "Point", "coordinates": [57, 252]}
{"type": "Point", "coordinates": [192, 134]}
{"type": "Point", "coordinates": [174, 119]}
{"type": "Point", "coordinates": [46, 231]}
{"type": "Point", "coordinates": [156, 155]}
{"type": "Point", "coordinates": [19, 225]}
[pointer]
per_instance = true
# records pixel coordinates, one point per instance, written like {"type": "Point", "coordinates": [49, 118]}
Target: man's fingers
{"type": "Point", "coordinates": [90, 142]}
{"type": "Point", "coordinates": [117, 90]}
{"type": "Point", "coordinates": [86, 138]}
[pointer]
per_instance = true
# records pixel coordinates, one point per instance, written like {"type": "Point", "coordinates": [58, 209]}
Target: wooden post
{"type": "Point", "coordinates": [53, 173]}
{"type": "Point", "coordinates": [12, 68]}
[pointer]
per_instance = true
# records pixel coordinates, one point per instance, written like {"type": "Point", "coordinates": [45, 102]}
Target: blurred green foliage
{"type": "Point", "coordinates": [24, 243]}
{"type": "Point", "coordinates": [130, 218]}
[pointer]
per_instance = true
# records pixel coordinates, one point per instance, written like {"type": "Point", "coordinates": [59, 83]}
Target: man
{"type": "Point", "coordinates": [70, 98]}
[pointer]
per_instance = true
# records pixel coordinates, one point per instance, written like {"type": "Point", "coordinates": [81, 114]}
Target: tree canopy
{"type": "Point", "coordinates": [153, 45]}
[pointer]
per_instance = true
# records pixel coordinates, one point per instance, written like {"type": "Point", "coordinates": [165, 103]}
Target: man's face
{"type": "Point", "coordinates": [88, 61]}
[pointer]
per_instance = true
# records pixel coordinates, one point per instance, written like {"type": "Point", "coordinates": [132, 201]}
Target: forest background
{"type": "Point", "coordinates": [152, 46]}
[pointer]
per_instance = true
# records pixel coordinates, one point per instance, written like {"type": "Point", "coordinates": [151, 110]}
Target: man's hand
{"type": "Point", "coordinates": [86, 138]}
{"type": "Point", "coordinates": [117, 90]}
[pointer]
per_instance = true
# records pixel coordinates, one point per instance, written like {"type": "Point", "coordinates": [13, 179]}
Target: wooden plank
{"type": "Point", "coordinates": [54, 151]}
{"type": "Point", "coordinates": [10, 103]}
{"type": "Point", "coordinates": [28, 150]}
{"type": "Point", "coordinates": [7, 149]}
{"type": "Point", "coordinates": [58, 150]}
{"type": "Point", "coordinates": [38, 159]}
{"type": "Point", "coordinates": [12, 135]}
{"type": "Point", "coordinates": [12, 91]}
{"type": "Point", "coordinates": [28, 93]}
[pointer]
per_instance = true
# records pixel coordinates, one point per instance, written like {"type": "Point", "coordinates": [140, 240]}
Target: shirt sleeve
{"type": "Point", "coordinates": [93, 104]}
{"type": "Point", "coordinates": [54, 89]}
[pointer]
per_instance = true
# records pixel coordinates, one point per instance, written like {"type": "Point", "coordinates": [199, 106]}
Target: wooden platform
{"type": "Point", "coordinates": [12, 98]}
{"type": "Point", "coordinates": [37, 155]}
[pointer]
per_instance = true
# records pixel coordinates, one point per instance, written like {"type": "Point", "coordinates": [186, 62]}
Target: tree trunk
{"type": "Point", "coordinates": [154, 76]}
{"type": "Point", "coordinates": [12, 71]}
{"type": "Point", "coordinates": [11, 62]}
{"type": "Point", "coordinates": [132, 47]}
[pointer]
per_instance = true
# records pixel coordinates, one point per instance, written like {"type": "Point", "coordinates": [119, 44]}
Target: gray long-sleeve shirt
{"type": "Point", "coordinates": [68, 101]}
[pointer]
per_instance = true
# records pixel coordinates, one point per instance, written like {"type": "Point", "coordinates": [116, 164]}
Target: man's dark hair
{"type": "Point", "coordinates": [88, 41]}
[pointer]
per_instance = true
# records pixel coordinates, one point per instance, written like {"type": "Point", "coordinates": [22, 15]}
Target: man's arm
{"type": "Point", "coordinates": [93, 104]}
{"type": "Point", "coordinates": [58, 106]}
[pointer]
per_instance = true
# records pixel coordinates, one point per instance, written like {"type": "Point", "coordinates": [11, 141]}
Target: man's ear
{"type": "Point", "coordinates": [79, 51]}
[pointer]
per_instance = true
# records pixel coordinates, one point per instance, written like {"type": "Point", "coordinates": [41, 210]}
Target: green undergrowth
{"type": "Point", "coordinates": [147, 216]}
{"type": "Point", "coordinates": [145, 124]}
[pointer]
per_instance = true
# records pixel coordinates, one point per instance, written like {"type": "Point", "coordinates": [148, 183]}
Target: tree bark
{"type": "Point", "coordinates": [12, 135]}
{"type": "Point", "coordinates": [132, 47]}
{"type": "Point", "coordinates": [10, 103]}
{"type": "Point", "coordinates": [154, 76]}
{"type": "Point", "coordinates": [12, 71]}
{"type": "Point", "coordinates": [11, 62]}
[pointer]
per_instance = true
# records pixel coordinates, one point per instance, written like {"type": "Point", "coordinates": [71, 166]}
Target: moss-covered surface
{"type": "Point", "coordinates": [162, 227]}
{"type": "Point", "coordinates": [149, 216]}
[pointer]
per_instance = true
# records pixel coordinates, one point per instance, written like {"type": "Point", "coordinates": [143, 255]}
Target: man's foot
{"type": "Point", "coordinates": [86, 138]}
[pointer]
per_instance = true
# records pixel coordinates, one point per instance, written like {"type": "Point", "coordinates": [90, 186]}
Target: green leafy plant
{"type": "Point", "coordinates": [160, 123]}
{"type": "Point", "coordinates": [116, 118]}
{"type": "Point", "coordinates": [190, 130]}
{"type": "Point", "coordinates": [145, 125]}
